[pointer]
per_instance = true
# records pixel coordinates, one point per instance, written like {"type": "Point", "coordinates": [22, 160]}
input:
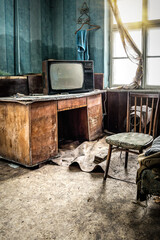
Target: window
{"type": "Point", "coordinates": [142, 19]}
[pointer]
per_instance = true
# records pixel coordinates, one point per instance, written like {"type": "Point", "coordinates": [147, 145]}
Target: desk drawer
{"type": "Point", "coordinates": [71, 103]}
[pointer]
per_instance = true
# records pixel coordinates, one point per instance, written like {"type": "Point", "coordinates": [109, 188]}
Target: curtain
{"type": "Point", "coordinates": [132, 51]}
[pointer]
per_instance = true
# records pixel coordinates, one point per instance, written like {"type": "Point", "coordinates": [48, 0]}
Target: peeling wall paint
{"type": "Point", "coordinates": [32, 31]}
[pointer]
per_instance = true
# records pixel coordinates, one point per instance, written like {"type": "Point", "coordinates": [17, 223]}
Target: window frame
{"type": "Point", "coordinates": [144, 25]}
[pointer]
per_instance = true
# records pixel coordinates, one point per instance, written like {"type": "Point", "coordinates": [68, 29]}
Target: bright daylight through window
{"type": "Point", "coordinates": [142, 20]}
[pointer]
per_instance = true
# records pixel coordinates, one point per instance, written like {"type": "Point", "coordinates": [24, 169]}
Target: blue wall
{"type": "Point", "coordinates": [25, 35]}
{"type": "Point", "coordinates": [66, 13]}
{"type": "Point", "coordinates": [34, 30]}
{"type": "Point", "coordinates": [6, 36]}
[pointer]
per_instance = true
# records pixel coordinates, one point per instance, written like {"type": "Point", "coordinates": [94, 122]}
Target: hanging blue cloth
{"type": "Point", "coordinates": [82, 45]}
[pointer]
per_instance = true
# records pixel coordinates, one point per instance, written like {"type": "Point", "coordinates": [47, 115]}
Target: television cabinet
{"type": "Point", "coordinates": [29, 128]}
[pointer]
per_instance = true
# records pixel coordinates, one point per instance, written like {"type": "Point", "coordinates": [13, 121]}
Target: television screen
{"type": "Point", "coordinates": [66, 76]}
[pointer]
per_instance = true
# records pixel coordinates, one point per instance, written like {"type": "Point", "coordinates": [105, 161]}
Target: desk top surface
{"type": "Point", "coordinates": [27, 99]}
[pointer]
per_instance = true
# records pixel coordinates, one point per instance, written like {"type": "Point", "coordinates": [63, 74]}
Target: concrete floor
{"type": "Point", "coordinates": [55, 202]}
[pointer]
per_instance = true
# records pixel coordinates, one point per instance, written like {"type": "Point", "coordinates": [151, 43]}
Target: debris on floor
{"type": "Point", "coordinates": [157, 199]}
{"type": "Point", "coordinates": [12, 165]}
{"type": "Point", "coordinates": [88, 155]}
{"type": "Point", "coordinates": [53, 202]}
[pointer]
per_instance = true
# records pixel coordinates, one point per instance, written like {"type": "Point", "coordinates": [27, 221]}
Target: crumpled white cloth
{"type": "Point", "coordinates": [138, 112]}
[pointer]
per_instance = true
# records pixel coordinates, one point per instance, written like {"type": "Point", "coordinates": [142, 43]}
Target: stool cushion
{"type": "Point", "coordinates": [130, 140]}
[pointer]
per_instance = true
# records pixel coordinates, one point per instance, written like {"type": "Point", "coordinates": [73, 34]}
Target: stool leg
{"type": "Point", "coordinates": [126, 160]}
{"type": "Point", "coordinates": [108, 161]}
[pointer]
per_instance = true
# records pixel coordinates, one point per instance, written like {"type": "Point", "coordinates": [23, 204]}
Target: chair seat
{"type": "Point", "coordinates": [130, 140]}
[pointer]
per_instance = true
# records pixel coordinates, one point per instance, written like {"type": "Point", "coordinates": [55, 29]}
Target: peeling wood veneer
{"type": "Point", "coordinates": [94, 108]}
{"type": "Point", "coordinates": [29, 132]}
{"type": "Point", "coordinates": [44, 140]}
{"type": "Point", "coordinates": [71, 104]}
{"type": "Point", "coordinates": [14, 132]}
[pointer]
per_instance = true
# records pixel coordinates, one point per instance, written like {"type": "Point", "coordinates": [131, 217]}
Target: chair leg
{"type": "Point", "coordinates": [126, 160]}
{"type": "Point", "coordinates": [108, 161]}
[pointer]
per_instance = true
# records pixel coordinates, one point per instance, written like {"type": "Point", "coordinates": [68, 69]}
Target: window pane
{"type": "Point", "coordinates": [123, 71]}
{"type": "Point", "coordinates": [118, 50]}
{"type": "Point", "coordinates": [153, 9]}
{"type": "Point", "coordinates": [154, 42]}
{"type": "Point", "coordinates": [153, 71]}
{"type": "Point", "coordinates": [130, 10]}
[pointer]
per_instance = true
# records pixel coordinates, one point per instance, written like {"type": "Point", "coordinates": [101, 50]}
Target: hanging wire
{"type": "Point", "coordinates": [84, 17]}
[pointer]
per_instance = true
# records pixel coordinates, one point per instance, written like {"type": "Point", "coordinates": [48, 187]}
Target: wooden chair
{"type": "Point", "coordinates": [141, 126]}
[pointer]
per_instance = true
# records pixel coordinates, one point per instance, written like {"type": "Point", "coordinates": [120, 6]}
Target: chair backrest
{"type": "Point", "coordinates": [142, 113]}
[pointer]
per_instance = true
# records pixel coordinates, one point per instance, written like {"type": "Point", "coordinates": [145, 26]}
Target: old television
{"type": "Point", "coordinates": [67, 76]}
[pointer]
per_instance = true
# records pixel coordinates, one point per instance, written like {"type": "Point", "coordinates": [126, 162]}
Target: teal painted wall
{"type": "Point", "coordinates": [66, 13]}
{"type": "Point", "coordinates": [25, 35]}
{"type": "Point", "coordinates": [6, 36]}
{"type": "Point", "coordinates": [34, 30]}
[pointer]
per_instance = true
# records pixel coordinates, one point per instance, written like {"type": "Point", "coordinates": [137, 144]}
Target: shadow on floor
{"type": "Point", "coordinates": [8, 171]}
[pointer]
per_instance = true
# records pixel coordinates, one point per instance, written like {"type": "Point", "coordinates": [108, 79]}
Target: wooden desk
{"type": "Point", "coordinates": [29, 125]}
